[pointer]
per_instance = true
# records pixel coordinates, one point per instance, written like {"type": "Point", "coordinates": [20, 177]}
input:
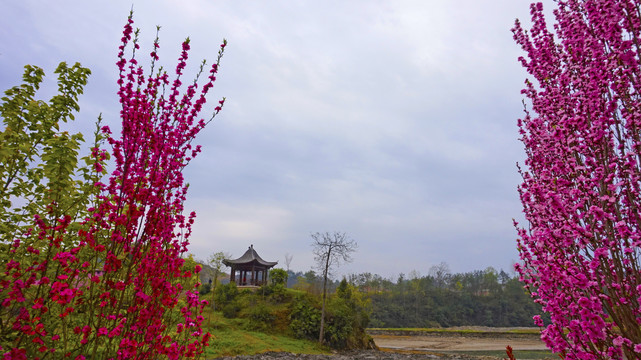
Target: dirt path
{"type": "Point", "coordinates": [447, 343]}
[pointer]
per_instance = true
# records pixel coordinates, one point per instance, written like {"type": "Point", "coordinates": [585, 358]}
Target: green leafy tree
{"type": "Point", "coordinates": [278, 276]}
{"type": "Point", "coordinates": [39, 172]}
{"type": "Point", "coordinates": [215, 260]}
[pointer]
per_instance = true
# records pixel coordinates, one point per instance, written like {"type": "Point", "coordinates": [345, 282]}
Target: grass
{"type": "Point", "coordinates": [230, 339]}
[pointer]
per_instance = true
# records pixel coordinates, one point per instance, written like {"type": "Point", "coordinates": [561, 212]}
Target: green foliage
{"type": "Point", "coordinates": [225, 297]}
{"type": "Point", "coordinates": [275, 309]}
{"type": "Point", "coordinates": [348, 317]}
{"type": "Point", "coordinates": [94, 270]}
{"type": "Point", "coordinates": [225, 294]}
{"type": "Point", "coordinates": [42, 174]}
{"type": "Point", "coordinates": [231, 310]}
{"type": "Point", "coordinates": [477, 298]}
{"type": "Point", "coordinates": [204, 289]}
{"type": "Point", "coordinates": [309, 282]}
{"type": "Point", "coordinates": [39, 172]}
{"type": "Point", "coordinates": [215, 262]}
{"type": "Point", "coordinates": [305, 316]}
{"type": "Point", "coordinates": [260, 318]}
{"type": "Point", "coordinates": [481, 298]}
{"type": "Point", "coordinates": [275, 293]}
{"type": "Point", "coordinates": [232, 338]}
{"type": "Point", "coordinates": [344, 290]}
{"type": "Point", "coordinates": [340, 324]}
{"type": "Point", "coordinates": [278, 276]}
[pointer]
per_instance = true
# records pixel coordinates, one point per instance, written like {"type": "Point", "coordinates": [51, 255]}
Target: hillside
{"type": "Point", "coordinates": [231, 337]}
{"type": "Point", "coordinates": [275, 318]}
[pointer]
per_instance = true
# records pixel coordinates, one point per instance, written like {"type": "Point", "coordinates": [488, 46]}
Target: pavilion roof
{"type": "Point", "coordinates": [248, 257]}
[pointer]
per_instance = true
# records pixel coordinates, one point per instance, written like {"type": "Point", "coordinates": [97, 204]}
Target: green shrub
{"type": "Point", "coordinates": [339, 326]}
{"type": "Point", "coordinates": [347, 317]}
{"type": "Point", "coordinates": [260, 318]}
{"type": "Point", "coordinates": [225, 294]}
{"type": "Point", "coordinates": [204, 289]}
{"type": "Point", "coordinates": [304, 318]}
{"type": "Point", "coordinates": [231, 310]}
{"type": "Point", "coordinates": [278, 294]}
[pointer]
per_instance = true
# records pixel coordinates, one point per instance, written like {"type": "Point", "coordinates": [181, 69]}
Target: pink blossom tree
{"type": "Point", "coordinates": [91, 269]}
{"type": "Point", "coordinates": [582, 176]}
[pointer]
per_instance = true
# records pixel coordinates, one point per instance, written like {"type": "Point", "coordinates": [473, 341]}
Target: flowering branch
{"type": "Point", "coordinates": [98, 270]}
{"type": "Point", "coordinates": [582, 180]}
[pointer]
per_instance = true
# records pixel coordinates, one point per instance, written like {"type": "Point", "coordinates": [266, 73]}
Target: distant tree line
{"type": "Point", "coordinates": [440, 299]}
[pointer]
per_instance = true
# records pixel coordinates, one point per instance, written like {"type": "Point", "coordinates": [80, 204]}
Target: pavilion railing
{"type": "Point", "coordinates": [249, 282]}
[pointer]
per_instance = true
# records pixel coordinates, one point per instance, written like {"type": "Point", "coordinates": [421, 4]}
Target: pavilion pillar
{"type": "Point", "coordinates": [232, 278]}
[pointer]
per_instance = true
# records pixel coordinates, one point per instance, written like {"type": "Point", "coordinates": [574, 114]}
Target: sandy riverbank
{"type": "Point", "coordinates": [458, 343]}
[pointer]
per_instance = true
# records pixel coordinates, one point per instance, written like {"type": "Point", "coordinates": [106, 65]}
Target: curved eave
{"type": "Point", "coordinates": [249, 257]}
{"type": "Point", "coordinates": [249, 263]}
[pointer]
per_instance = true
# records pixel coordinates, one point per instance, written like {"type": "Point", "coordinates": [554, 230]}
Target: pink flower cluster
{"type": "Point", "coordinates": [115, 284]}
{"type": "Point", "coordinates": [581, 190]}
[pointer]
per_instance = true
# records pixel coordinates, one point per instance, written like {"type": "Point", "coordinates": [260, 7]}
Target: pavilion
{"type": "Point", "coordinates": [252, 269]}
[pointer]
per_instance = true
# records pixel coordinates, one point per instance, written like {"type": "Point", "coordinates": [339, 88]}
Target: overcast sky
{"type": "Point", "coordinates": [392, 121]}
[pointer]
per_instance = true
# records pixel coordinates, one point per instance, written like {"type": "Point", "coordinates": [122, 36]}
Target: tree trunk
{"type": "Point", "coordinates": [213, 289]}
{"type": "Point", "coordinates": [322, 324]}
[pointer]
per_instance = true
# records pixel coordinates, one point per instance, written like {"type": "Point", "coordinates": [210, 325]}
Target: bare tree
{"type": "Point", "coordinates": [288, 260]}
{"type": "Point", "coordinates": [330, 249]}
{"type": "Point", "coordinates": [441, 274]}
